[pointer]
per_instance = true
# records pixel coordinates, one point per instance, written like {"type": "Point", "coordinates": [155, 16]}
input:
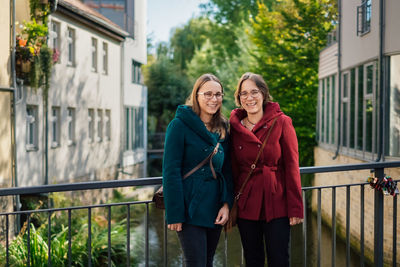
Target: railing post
{"type": "Point", "coordinates": [378, 222]}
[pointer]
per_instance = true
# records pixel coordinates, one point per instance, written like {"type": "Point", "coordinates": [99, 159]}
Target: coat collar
{"type": "Point", "coordinates": [271, 110]}
{"type": "Point", "coordinates": [192, 120]}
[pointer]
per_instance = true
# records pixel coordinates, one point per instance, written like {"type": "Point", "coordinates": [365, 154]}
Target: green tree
{"type": "Point", "coordinates": [288, 42]}
{"type": "Point", "coordinates": [166, 89]}
{"type": "Point", "coordinates": [189, 38]}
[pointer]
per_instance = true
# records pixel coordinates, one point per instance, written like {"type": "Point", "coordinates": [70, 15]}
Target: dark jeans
{"type": "Point", "coordinates": [199, 244]}
{"type": "Point", "coordinates": [275, 234]}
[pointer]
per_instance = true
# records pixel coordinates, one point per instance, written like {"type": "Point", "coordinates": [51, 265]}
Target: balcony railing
{"type": "Point", "coordinates": [364, 17]}
{"type": "Point", "coordinates": [378, 218]}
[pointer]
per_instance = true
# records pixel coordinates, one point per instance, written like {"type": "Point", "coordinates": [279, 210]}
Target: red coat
{"type": "Point", "coordinates": [275, 183]}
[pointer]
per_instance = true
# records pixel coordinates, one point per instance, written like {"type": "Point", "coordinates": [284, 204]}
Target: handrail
{"type": "Point", "coordinates": [158, 180]}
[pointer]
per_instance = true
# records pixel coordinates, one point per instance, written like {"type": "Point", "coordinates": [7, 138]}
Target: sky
{"type": "Point", "coordinates": [164, 15]}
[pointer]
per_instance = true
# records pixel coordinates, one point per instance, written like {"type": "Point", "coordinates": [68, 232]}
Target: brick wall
{"type": "Point", "coordinates": [324, 158]}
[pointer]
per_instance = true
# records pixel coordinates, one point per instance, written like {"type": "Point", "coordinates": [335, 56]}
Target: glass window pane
{"type": "Point", "coordinates": [323, 111]}
{"type": "Point", "coordinates": [333, 110]}
{"type": "Point", "coordinates": [368, 125]}
{"type": "Point", "coordinates": [394, 120]}
{"type": "Point", "coordinates": [360, 98]}
{"type": "Point", "coordinates": [352, 106]}
{"type": "Point", "coordinates": [344, 131]}
{"type": "Point", "coordinates": [370, 80]}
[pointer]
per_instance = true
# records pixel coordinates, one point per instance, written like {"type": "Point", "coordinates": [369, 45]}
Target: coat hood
{"type": "Point", "coordinates": [271, 110]}
{"type": "Point", "coordinates": [192, 120]}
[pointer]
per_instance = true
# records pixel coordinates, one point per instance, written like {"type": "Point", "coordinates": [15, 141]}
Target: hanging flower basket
{"type": "Point", "coordinates": [25, 66]}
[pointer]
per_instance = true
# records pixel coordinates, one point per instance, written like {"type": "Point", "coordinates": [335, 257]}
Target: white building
{"type": "Point", "coordinates": [89, 97]}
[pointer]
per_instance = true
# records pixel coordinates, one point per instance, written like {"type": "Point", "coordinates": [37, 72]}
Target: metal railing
{"type": "Point", "coordinates": [364, 18]}
{"type": "Point", "coordinates": [378, 218]}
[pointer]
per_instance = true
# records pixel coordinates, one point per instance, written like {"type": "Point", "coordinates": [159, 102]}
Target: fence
{"type": "Point", "coordinates": [378, 218]}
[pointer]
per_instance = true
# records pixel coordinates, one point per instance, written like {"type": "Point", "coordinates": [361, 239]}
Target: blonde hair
{"type": "Point", "coordinates": [218, 122]}
{"type": "Point", "coordinates": [261, 85]}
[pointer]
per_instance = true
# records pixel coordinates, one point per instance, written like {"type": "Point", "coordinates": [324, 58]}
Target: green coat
{"type": "Point", "coordinates": [197, 199]}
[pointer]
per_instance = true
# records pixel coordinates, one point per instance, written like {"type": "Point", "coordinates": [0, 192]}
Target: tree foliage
{"type": "Point", "coordinates": [280, 40]}
{"type": "Point", "coordinates": [288, 42]}
{"type": "Point", "coordinates": [166, 89]}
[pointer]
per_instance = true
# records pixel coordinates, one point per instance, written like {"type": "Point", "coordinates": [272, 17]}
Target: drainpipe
{"type": "Point", "coordinates": [382, 84]}
{"type": "Point", "coordinates": [122, 124]}
{"type": "Point", "coordinates": [339, 55]}
{"type": "Point", "coordinates": [14, 86]}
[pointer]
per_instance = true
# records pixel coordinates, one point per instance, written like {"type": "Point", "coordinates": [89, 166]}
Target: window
{"type": "Point", "coordinates": [55, 126]}
{"type": "Point", "coordinates": [99, 125]}
{"type": "Point", "coordinates": [31, 127]}
{"type": "Point", "coordinates": [91, 125]}
{"type": "Point", "coordinates": [71, 46]}
{"type": "Point", "coordinates": [136, 72]}
{"type": "Point", "coordinates": [55, 39]}
{"type": "Point", "coordinates": [105, 58]}
{"type": "Point", "coordinates": [345, 108]}
{"type": "Point", "coordinates": [107, 121]}
{"type": "Point", "coordinates": [94, 54]}
{"type": "Point", "coordinates": [364, 17]}
{"type": "Point", "coordinates": [327, 110]}
{"type": "Point", "coordinates": [134, 118]}
{"type": "Point", "coordinates": [393, 146]}
{"type": "Point", "coordinates": [71, 125]}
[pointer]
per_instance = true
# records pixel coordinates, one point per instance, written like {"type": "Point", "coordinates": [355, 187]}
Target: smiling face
{"type": "Point", "coordinates": [209, 106]}
{"type": "Point", "coordinates": [251, 97]}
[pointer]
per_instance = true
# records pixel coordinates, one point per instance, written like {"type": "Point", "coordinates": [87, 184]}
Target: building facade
{"type": "Point", "coordinates": [85, 120]}
{"type": "Point", "coordinates": [358, 117]}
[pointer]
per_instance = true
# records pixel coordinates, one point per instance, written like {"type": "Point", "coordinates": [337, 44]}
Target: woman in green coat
{"type": "Point", "coordinates": [197, 201]}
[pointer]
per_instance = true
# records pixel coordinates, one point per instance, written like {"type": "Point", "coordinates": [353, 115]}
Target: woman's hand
{"type": "Point", "coordinates": [295, 220]}
{"type": "Point", "coordinates": [223, 215]}
{"type": "Point", "coordinates": [175, 227]}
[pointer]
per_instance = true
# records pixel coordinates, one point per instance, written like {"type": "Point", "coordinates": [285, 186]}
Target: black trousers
{"type": "Point", "coordinates": [275, 234]}
{"type": "Point", "coordinates": [199, 244]}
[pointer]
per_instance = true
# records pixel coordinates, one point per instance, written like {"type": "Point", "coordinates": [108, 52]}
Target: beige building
{"type": "Point", "coordinates": [358, 117]}
{"type": "Point", "coordinates": [87, 130]}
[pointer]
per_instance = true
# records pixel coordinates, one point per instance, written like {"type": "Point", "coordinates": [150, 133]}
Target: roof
{"type": "Point", "coordinates": [92, 15]}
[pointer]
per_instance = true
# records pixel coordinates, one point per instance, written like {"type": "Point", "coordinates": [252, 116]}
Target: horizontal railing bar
{"type": "Point", "coordinates": [350, 167]}
{"type": "Point", "coordinates": [335, 186]}
{"type": "Point", "coordinates": [79, 186]}
{"type": "Point", "coordinates": [157, 180]}
{"type": "Point", "coordinates": [6, 89]}
{"type": "Point", "coordinates": [77, 207]}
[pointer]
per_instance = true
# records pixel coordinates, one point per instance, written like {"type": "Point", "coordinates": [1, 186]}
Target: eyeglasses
{"type": "Point", "coordinates": [209, 95]}
{"type": "Point", "coordinates": [254, 93]}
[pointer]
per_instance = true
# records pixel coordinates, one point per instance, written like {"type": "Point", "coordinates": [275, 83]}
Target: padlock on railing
{"type": "Point", "coordinates": [386, 185]}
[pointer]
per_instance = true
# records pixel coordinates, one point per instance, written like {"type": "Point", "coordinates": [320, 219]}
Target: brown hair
{"type": "Point", "coordinates": [259, 81]}
{"type": "Point", "coordinates": [218, 122]}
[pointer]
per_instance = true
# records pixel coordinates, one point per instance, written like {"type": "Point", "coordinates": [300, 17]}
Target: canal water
{"type": "Point", "coordinates": [233, 249]}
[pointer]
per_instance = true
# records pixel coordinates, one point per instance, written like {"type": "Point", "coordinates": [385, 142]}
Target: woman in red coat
{"type": "Point", "coordinates": [271, 200]}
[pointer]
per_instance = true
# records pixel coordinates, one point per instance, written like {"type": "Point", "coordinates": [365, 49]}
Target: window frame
{"type": "Point", "coordinates": [364, 17]}
{"type": "Point", "coordinates": [105, 58]}
{"type": "Point", "coordinates": [55, 36]}
{"type": "Point", "coordinates": [71, 124]}
{"type": "Point", "coordinates": [94, 55]}
{"type": "Point", "coordinates": [32, 128]}
{"type": "Point", "coordinates": [91, 121]}
{"type": "Point", "coordinates": [100, 125]}
{"type": "Point", "coordinates": [71, 47]}
{"type": "Point", "coordinates": [107, 121]}
{"type": "Point", "coordinates": [55, 126]}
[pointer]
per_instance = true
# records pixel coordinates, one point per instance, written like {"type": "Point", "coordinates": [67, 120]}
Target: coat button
{"type": "Point", "coordinates": [259, 145]}
{"type": "Point", "coordinates": [202, 169]}
{"type": "Point", "coordinates": [240, 147]}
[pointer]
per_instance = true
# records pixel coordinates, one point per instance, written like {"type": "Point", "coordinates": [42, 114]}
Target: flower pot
{"type": "Point", "coordinates": [25, 66]}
